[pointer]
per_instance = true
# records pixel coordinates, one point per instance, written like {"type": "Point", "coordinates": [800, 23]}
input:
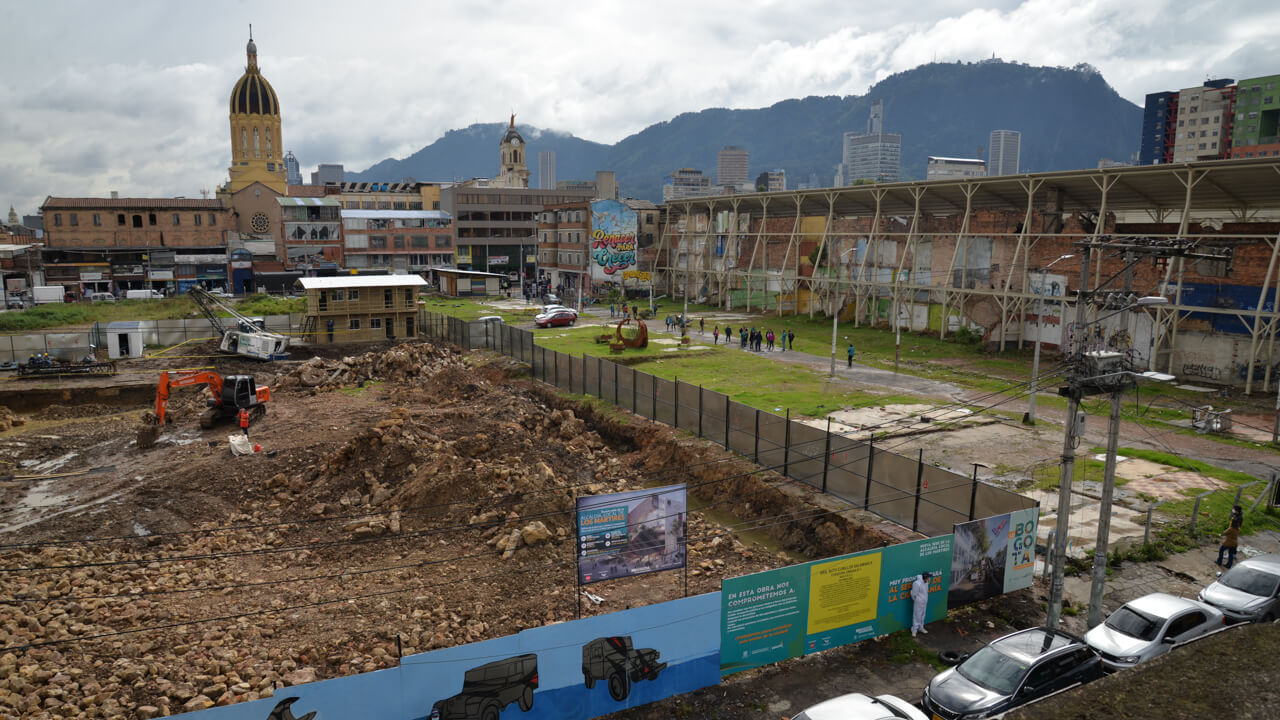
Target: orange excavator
{"type": "Point", "coordinates": [230, 394]}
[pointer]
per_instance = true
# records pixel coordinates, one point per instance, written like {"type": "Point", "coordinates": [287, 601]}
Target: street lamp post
{"type": "Point", "coordinates": [1035, 362]}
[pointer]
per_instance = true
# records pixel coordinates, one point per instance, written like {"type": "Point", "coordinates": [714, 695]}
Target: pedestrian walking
{"type": "Point", "coordinates": [728, 334]}
{"type": "Point", "coordinates": [792, 333]}
{"type": "Point", "coordinates": [715, 335]}
{"type": "Point", "coordinates": [850, 354]}
{"type": "Point", "coordinates": [702, 326]}
{"type": "Point", "coordinates": [610, 309]}
{"type": "Point", "coordinates": [919, 603]}
{"type": "Point", "coordinates": [1230, 541]}
{"type": "Point", "coordinates": [742, 338]}
{"type": "Point", "coordinates": [770, 338]}
{"type": "Point", "coordinates": [1237, 517]}
{"type": "Point", "coordinates": [244, 424]}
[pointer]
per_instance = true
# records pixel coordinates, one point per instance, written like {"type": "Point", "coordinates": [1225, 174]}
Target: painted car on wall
{"type": "Point", "coordinates": [489, 688]}
{"type": "Point", "coordinates": [615, 660]}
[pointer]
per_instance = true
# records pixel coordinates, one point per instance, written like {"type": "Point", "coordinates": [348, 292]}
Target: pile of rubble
{"type": "Point", "coordinates": [9, 419]}
{"type": "Point", "coordinates": [402, 363]}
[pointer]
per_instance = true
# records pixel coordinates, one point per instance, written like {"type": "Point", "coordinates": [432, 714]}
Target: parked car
{"type": "Point", "coordinates": [490, 319]}
{"type": "Point", "coordinates": [856, 706]}
{"type": "Point", "coordinates": [555, 317]}
{"type": "Point", "coordinates": [102, 297]}
{"type": "Point", "coordinates": [1009, 672]}
{"type": "Point", "coordinates": [1150, 626]}
{"type": "Point", "coordinates": [1249, 591]}
{"type": "Point", "coordinates": [143, 295]}
{"type": "Point", "coordinates": [551, 308]}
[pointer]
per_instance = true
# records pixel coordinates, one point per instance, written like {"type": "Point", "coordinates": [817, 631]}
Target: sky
{"type": "Point", "coordinates": [132, 96]}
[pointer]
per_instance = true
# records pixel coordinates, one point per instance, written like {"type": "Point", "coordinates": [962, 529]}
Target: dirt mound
{"type": "Point", "coordinates": [9, 419]}
{"type": "Point", "coordinates": [406, 362]}
{"type": "Point", "coordinates": [64, 412]}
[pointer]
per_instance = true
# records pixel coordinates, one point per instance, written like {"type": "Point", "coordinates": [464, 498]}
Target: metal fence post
{"type": "Point", "coordinates": [653, 396]}
{"type": "Point", "coordinates": [699, 411]}
{"type": "Point", "coordinates": [826, 455]}
{"type": "Point", "coordinates": [635, 392]}
{"type": "Point", "coordinates": [871, 463]}
{"type": "Point", "coordinates": [757, 452]}
{"type": "Point", "coordinates": [973, 494]}
{"type": "Point", "coordinates": [1146, 534]}
{"type": "Point", "coordinates": [915, 517]}
{"type": "Point", "coordinates": [599, 379]}
{"type": "Point", "coordinates": [786, 447]}
{"type": "Point", "coordinates": [726, 421]}
{"type": "Point", "coordinates": [557, 371]}
{"type": "Point", "coordinates": [675, 393]}
{"type": "Point", "coordinates": [615, 383]}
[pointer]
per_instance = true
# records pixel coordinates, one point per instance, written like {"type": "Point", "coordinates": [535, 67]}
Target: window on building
{"type": "Point", "coordinates": [375, 323]}
{"type": "Point", "coordinates": [196, 219]}
{"type": "Point", "coordinates": [57, 220]}
{"type": "Point", "coordinates": [151, 219]}
{"type": "Point", "coordinates": [213, 219]}
{"type": "Point", "coordinates": [1204, 121]}
{"type": "Point", "coordinates": [97, 220]}
{"type": "Point", "coordinates": [353, 295]}
{"type": "Point", "coordinates": [387, 298]}
{"type": "Point", "coordinates": [408, 297]}
{"type": "Point", "coordinates": [75, 219]}
{"type": "Point", "coordinates": [368, 205]}
{"type": "Point", "coordinates": [442, 241]}
{"type": "Point", "coordinates": [397, 242]}
{"type": "Point", "coordinates": [137, 221]}
{"type": "Point", "coordinates": [244, 142]}
{"type": "Point", "coordinates": [435, 205]}
{"type": "Point", "coordinates": [257, 144]}
{"type": "Point", "coordinates": [177, 219]}
{"type": "Point", "coordinates": [384, 204]}
{"type": "Point", "coordinates": [337, 295]}
{"type": "Point", "coordinates": [1268, 99]}
{"type": "Point", "coordinates": [120, 220]}
{"type": "Point", "coordinates": [399, 205]}
{"type": "Point", "coordinates": [378, 242]}
{"type": "Point", "coordinates": [268, 146]}
{"type": "Point", "coordinates": [415, 206]}
{"type": "Point", "coordinates": [354, 324]}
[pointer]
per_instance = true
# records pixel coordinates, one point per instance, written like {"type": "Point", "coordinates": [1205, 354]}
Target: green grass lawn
{"type": "Point", "coordinates": [58, 315]}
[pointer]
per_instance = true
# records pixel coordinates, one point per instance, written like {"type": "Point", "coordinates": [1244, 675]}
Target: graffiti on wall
{"type": "Point", "coordinates": [613, 239]}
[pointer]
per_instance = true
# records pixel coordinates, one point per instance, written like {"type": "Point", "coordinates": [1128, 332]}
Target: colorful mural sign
{"type": "Point", "coordinates": [630, 533]}
{"type": "Point", "coordinates": [641, 276]}
{"type": "Point", "coordinates": [992, 556]}
{"type": "Point", "coordinates": [613, 239]}
{"type": "Point", "coordinates": [815, 606]}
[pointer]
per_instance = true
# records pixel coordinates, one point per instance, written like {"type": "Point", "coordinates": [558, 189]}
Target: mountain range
{"type": "Point", "coordinates": [1070, 118]}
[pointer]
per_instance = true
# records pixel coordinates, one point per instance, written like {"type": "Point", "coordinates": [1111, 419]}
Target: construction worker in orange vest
{"type": "Point", "coordinates": [244, 421]}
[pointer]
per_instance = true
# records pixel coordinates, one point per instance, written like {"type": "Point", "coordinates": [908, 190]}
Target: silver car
{"type": "Point", "coordinates": [1149, 626]}
{"type": "Point", "coordinates": [856, 706]}
{"type": "Point", "coordinates": [1249, 591]}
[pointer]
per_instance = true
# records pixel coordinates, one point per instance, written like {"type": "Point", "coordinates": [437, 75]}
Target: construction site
{"type": "Point", "coordinates": [392, 497]}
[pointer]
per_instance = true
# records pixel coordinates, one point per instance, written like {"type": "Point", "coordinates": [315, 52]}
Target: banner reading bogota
{"type": "Point", "coordinates": [778, 614]}
{"type": "Point", "coordinates": [631, 533]}
{"type": "Point", "coordinates": [992, 556]}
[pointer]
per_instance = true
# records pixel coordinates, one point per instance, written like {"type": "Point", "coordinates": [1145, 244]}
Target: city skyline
{"type": "Point", "coordinates": [119, 101]}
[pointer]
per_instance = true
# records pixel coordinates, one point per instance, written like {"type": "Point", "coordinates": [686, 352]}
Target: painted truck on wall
{"type": "Point", "coordinates": [615, 660]}
{"type": "Point", "coordinates": [488, 689]}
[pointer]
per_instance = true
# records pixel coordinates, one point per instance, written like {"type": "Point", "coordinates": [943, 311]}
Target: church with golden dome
{"type": "Point", "coordinates": [257, 174]}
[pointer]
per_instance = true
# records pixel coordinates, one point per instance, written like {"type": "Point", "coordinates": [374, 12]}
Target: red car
{"type": "Point", "coordinates": [555, 317]}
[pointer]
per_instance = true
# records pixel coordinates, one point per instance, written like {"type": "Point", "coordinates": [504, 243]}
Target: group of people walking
{"type": "Point", "coordinates": [753, 339]}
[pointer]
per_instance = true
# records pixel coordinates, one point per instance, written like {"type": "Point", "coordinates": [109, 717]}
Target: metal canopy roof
{"type": "Point", "coordinates": [1238, 185]}
{"type": "Point", "coordinates": [360, 281]}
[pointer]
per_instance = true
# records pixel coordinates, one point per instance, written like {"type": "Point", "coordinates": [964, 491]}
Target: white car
{"type": "Point", "coordinates": [1249, 591]}
{"type": "Point", "coordinates": [1150, 626]}
{"type": "Point", "coordinates": [856, 706]}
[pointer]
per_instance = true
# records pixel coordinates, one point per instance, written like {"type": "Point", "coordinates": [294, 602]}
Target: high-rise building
{"type": "Point", "coordinates": [1256, 126]}
{"type": "Point", "coordinates": [1005, 153]}
{"type": "Point", "coordinates": [874, 155]}
{"type": "Point", "coordinates": [686, 182]}
{"type": "Point", "coordinates": [328, 173]}
{"type": "Point", "coordinates": [292, 170]}
{"type": "Point", "coordinates": [1159, 116]}
{"type": "Point", "coordinates": [731, 167]}
{"type": "Point", "coordinates": [771, 180]}
{"type": "Point", "coordinates": [1205, 115]}
{"type": "Point", "coordinates": [546, 170]}
{"type": "Point", "coordinates": [949, 168]}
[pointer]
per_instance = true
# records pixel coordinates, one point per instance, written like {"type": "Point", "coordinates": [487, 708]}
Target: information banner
{"type": "Point", "coordinates": [993, 556]}
{"type": "Point", "coordinates": [631, 533]}
{"type": "Point", "coordinates": [815, 606]}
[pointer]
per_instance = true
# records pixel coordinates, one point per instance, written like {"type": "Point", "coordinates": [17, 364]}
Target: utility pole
{"type": "Point", "coordinates": [1072, 391]}
{"type": "Point", "coordinates": [1104, 512]}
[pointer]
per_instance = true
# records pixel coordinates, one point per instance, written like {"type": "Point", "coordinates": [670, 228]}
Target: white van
{"type": "Point", "coordinates": [143, 295]}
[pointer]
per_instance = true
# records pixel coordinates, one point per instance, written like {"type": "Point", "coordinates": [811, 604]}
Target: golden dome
{"type": "Point", "coordinates": [252, 93]}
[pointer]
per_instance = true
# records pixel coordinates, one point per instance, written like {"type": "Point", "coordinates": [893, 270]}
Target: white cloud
{"type": "Point", "coordinates": [133, 98]}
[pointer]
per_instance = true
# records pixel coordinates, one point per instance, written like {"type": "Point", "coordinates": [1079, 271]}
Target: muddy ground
{"type": "Point", "coordinates": [397, 496]}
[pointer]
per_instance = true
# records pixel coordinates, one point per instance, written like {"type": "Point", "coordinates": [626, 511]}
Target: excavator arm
{"type": "Point", "coordinates": [184, 378]}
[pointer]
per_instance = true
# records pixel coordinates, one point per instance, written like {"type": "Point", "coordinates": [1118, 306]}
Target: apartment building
{"type": "Point", "coordinates": [1257, 118]}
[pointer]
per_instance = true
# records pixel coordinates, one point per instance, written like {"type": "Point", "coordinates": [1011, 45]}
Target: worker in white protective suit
{"type": "Point", "coordinates": [920, 602]}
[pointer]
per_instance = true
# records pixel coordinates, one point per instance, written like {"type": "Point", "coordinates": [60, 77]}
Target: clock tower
{"type": "Point", "coordinates": [512, 171]}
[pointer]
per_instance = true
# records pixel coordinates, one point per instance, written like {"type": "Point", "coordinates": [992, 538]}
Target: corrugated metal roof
{"type": "Point", "coordinates": [309, 201]}
{"type": "Point", "coordinates": [396, 215]}
{"type": "Point", "coordinates": [456, 271]}
{"type": "Point", "coordinates": [360, 281]}
{"type": "Point", "coordinates": [134, 203]}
